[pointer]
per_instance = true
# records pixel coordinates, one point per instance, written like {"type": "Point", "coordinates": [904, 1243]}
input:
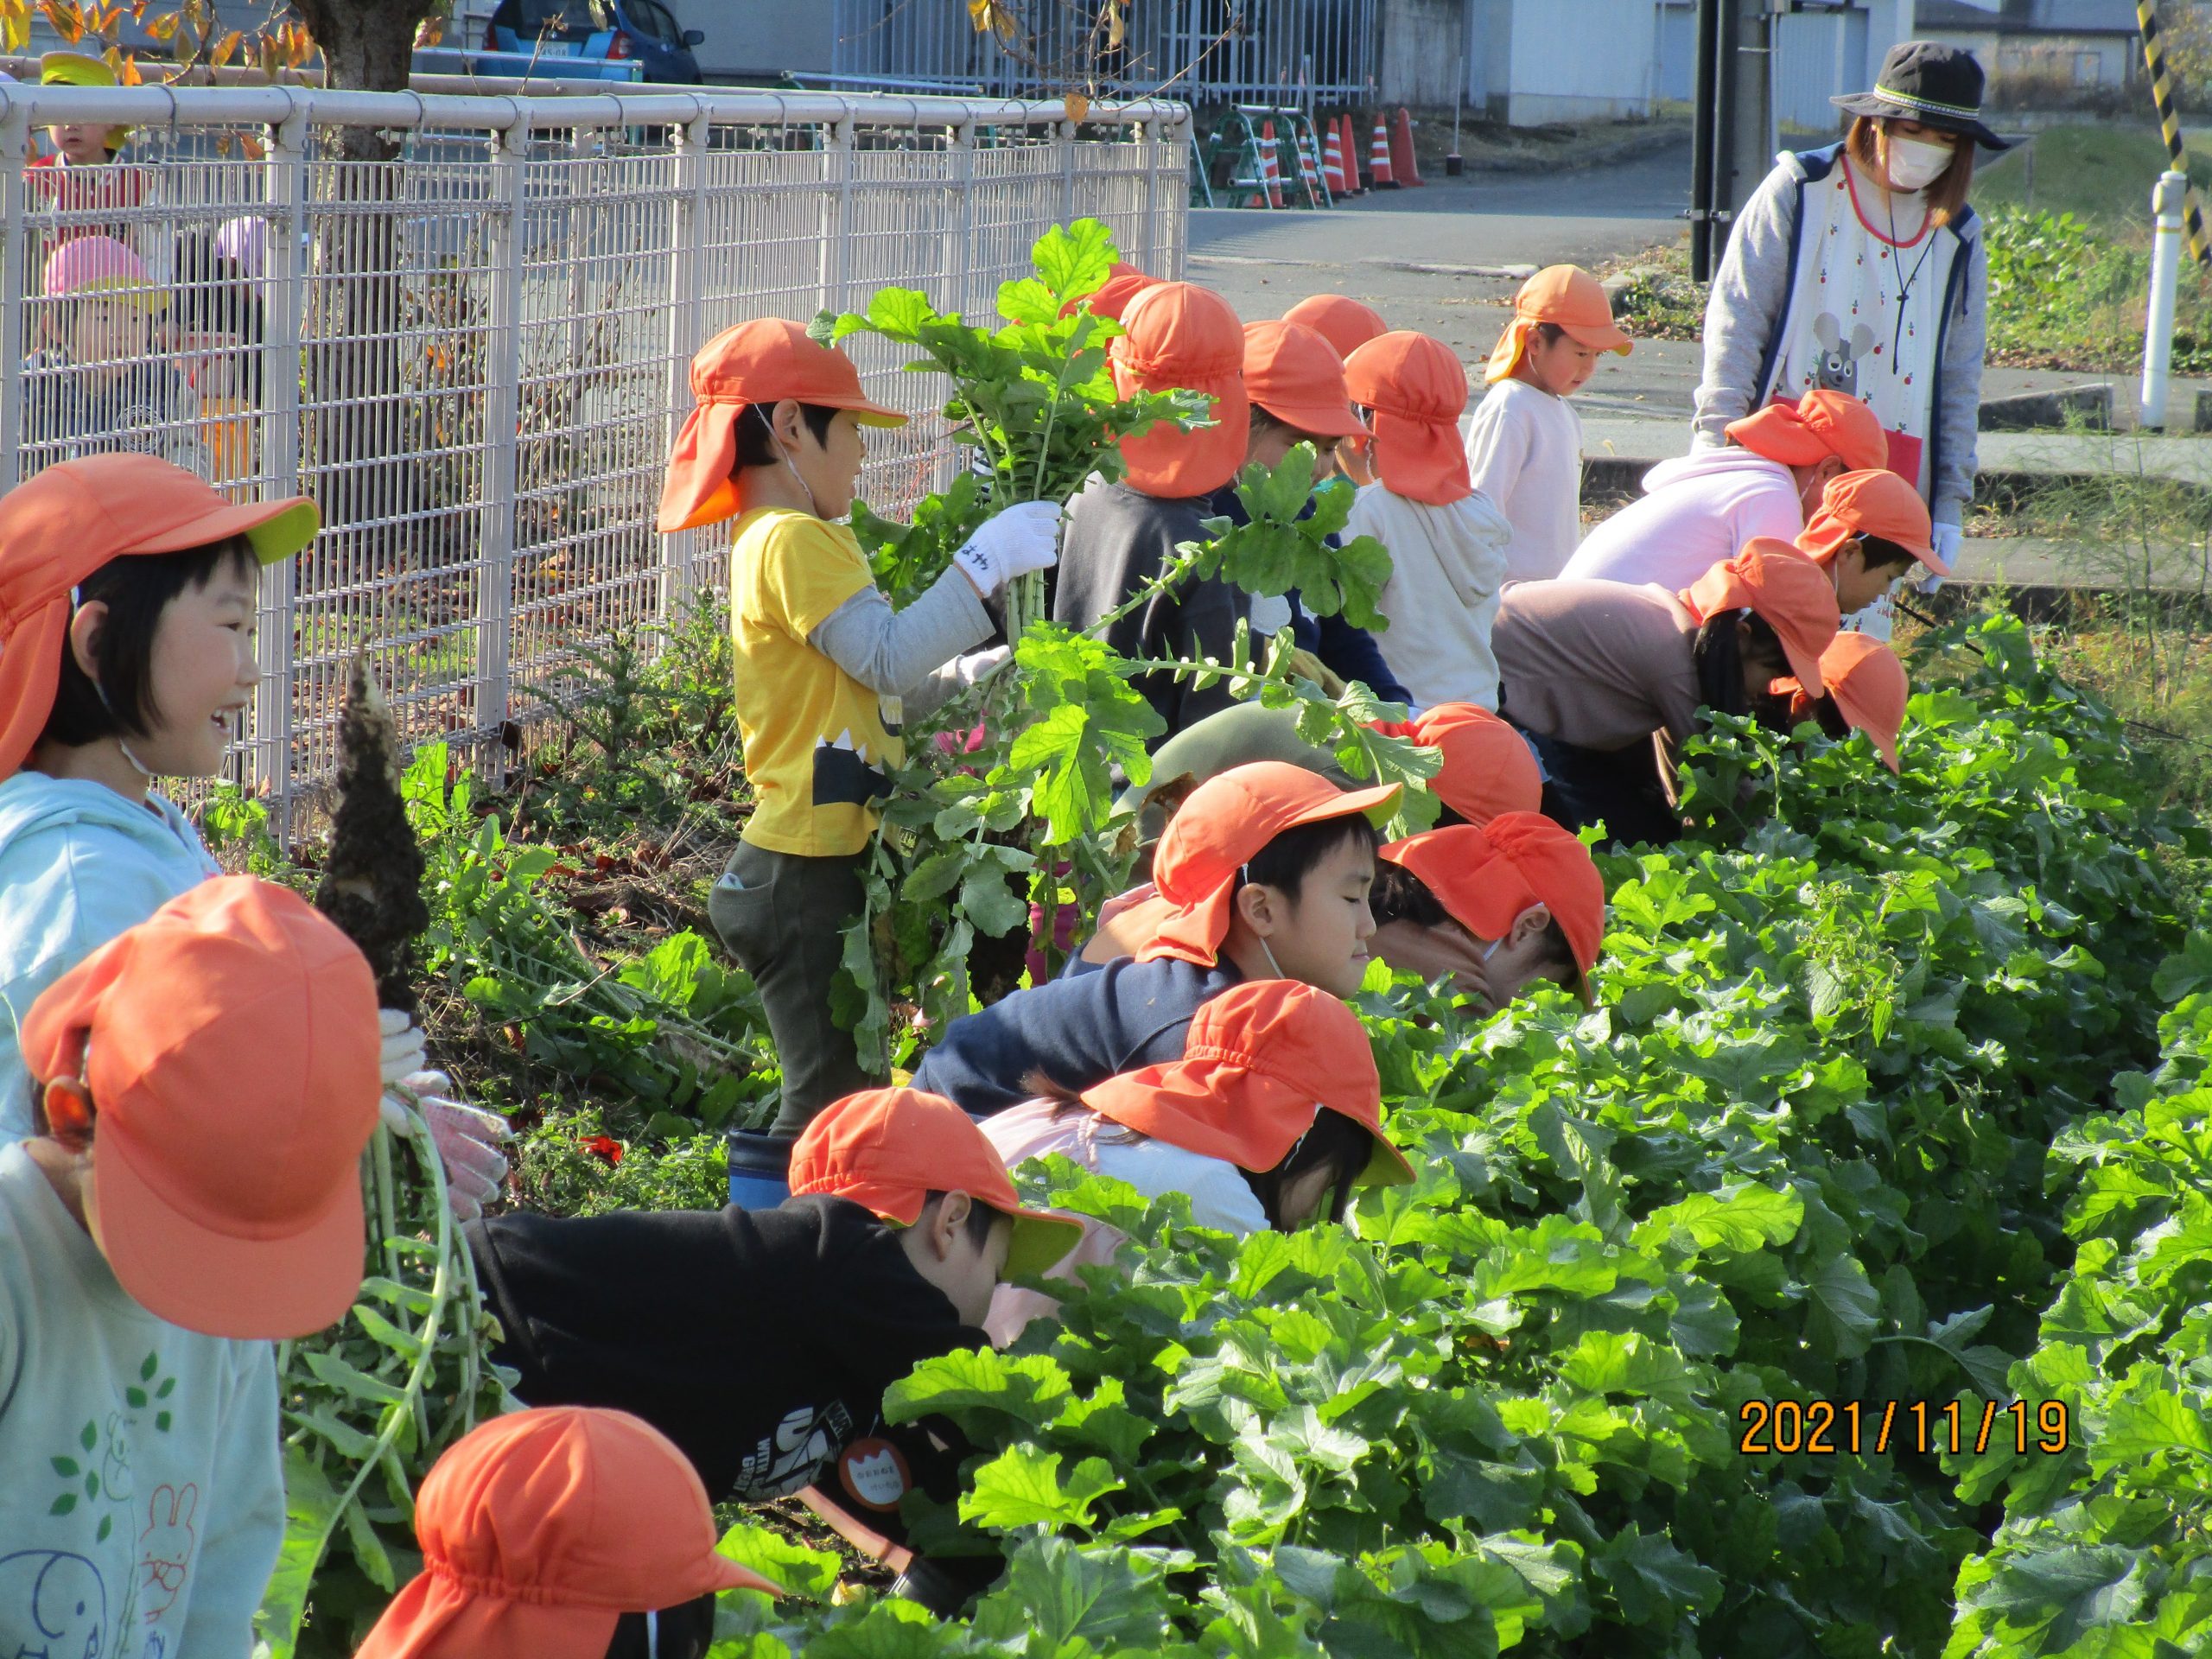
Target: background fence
{"type": "Point", "coordinates": [1229, 51]}
{"type": "Point", "coordinates": [474, 355]}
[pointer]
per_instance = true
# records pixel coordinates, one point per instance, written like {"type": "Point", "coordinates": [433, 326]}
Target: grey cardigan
{"type": "Point", "coordinates": [1746, 315]}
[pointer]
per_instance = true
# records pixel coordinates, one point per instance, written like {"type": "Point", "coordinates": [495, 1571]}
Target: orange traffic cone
{"type": "Point", "coordinates": [1403, 166]}
{"type": "Point", "coordinates": [1332, 163]}
{"type": "Point", "coordinates": [1352, 155]}
{"type": "Point", "coordinates": [1268, 174]}
{"type": "Point", "coordinates": [1378, 158]}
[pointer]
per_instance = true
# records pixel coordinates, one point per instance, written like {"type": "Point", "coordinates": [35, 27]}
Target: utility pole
{"type": "Point", "coordinates": [1732, 140]}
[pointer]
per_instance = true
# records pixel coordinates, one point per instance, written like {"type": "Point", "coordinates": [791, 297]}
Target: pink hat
{"type": "Point", "coordinates": [95, 264]}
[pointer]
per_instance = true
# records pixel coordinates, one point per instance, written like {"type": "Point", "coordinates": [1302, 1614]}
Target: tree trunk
{"type": "Point", "coordinates": [361, 455]}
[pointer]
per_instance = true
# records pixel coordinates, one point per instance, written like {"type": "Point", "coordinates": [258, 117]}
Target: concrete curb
{"type": "Point", "coordinates": [1634, 147]}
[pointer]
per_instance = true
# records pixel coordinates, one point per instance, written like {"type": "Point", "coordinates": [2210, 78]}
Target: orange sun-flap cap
{"type": "Point", "coordinates": [1877, 502]}
{"type": "Point", "coordinates": [1568, 297]}
{"type": "Point", "coordinates": [1484, 877]}
{"type": "Point", "coordinates": [229, 1197]}
{"type": "Point", "coordinates": [1262, 1058]}
{"type": "Point", "coordinates": [541, 1529]}
{"type": "Point", "coordinates": [1297, 377]}
{"type": "Point", "coordinates": [1221, 827]}
{"type": "Point", "coordinates": [1870, 688]}
{"type": "Point", "coordinates": [765, 362]}
{"type": "Point", "coordinates": [1417, 390]}
{"type": "Point", "coordinates": [889, 1149]}
{"type": "Point", "coordinates": [1778, 583]}
{"type": "Point", "coordinates": [62, 525]}
{"type": "Point", "coordinates": [1487, 769]}
{"type": "Point", "coordinates": [1180, 336]}
{"type": "Point", "coordinates": [1820, 425]}
{"type": "Point", "coordinates": [1344, 323]}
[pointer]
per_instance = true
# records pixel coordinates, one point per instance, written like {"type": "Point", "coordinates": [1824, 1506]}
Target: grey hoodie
{"type": "Point", "coordinates": [79, 864]}
{"type": "Point", "coordinates": [1746, 315]}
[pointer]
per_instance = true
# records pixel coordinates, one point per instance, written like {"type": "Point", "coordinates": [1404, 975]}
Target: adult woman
{"type": "Point", "coordinates": [1859, 268]}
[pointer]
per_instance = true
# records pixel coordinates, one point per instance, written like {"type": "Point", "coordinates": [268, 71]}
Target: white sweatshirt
{"type": "Point", "coordinates": [1524, 452]}
{"type": "Point", "coordinates": [1696, 510]}
{"type": "Point", "coordinates": [1220, 1196]}
{"type": "Point", "coordinates": [141, 1495]}
{"type": "Point", "coordinates": [1446, 565]}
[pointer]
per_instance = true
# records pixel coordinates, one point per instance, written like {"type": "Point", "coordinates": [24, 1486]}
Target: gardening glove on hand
{"type": "Point", "coordinates": [467, 1139]}
{"type": "Point", "coordinates": [979, 665]}
{"type": "Point", "coordinates": [1945, 539]}
{"type": "Point", "coordinates": [403, 1051]}
{"type": "Point", "coordinates": [1025, 538]}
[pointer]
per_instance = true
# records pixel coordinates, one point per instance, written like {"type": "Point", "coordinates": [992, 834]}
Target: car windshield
{"type": "Point", "coordinates": [562, 17]}
{"type": "Point", "coordinates": [654, 19]}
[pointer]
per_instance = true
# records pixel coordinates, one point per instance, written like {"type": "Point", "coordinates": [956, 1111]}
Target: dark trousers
{"type": "Point", "coordinates": [783, 918]}
{"type": "Point", "coordinates": [1619, 788]}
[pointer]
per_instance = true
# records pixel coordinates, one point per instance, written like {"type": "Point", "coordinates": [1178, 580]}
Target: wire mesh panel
{"type": "Point", "coordinates": [467, 335]}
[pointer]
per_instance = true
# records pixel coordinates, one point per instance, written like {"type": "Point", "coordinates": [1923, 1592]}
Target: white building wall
{"type": "Point", "coordinates": [1593, 61]}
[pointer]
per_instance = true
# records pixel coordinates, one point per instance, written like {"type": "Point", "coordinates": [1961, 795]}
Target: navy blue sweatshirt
{"type": "Point", "coordinates": [1077, 1032]}
{"type": "Point", "coordinates": [1350, 653]}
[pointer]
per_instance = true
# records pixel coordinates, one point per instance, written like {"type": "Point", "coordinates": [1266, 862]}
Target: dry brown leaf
{"type": "Point", "coordinates": [1117, 15]}
{"type": "Point", "coordinates": [227, 49]}
{"type": "Point", "coordinates": [1078, 107]}
{"type": "Point", "coordinates": [68, 22]}
{"type": "Point", "coordinates": [126, 73]}
{"type": "Point", "coordinates": [429, 33]}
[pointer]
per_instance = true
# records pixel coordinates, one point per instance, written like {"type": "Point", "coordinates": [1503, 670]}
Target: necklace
{"type": "Point", "coordinates": [1905, 280]}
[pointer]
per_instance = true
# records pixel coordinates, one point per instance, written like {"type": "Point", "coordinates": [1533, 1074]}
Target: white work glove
{"type": "Point", "coordinates": [979, 665]}
{"type": "Point", "coordinates": [403, 1050]}
{"type": "Point", "coordinates": [1025, 538]}
{"type": "Point", "coordinates": [467, 1139]}
{"type": "Point", "coordinates": [1945, 539]}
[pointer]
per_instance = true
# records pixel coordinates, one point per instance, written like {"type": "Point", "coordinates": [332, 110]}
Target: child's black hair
{"type": "Point", "coordinates": [756, 444]}
{"type": "Point", "coordinates": [1831, 718]}
{"type": "Point", "coordinates": [1335, 1143]}
{"type": "Point", "coordinates": [136, 588]}
{"type": "Point", "coordinates": [1720, 668]}
{"type": "Point", "coordinates": [980, 1217]}
{"type": "Point", "coordinates": [686, 1631]}
{"type": "Point", "coordinates": [1881, 554]}
{"type": "Point", "coordinates": [1285, 862]}
{"type": "Point", "coordinates": [1549, 333]}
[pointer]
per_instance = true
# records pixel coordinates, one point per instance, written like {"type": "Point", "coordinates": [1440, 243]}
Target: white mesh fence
{"type": "Point", "coordinates": [474, 355]}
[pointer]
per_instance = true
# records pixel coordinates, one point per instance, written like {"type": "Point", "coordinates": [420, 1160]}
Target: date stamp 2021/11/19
{"type": "Point", "coordinates": [1827, 1428]}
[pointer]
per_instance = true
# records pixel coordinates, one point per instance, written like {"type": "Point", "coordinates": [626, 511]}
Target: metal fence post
{"type": "Point", "coordinates": [1064, 136]}
{"type": "Point", "coordinates": [502, 407]}
{"type": "Point", "coordinates": [961, 263]}
{"type": "Point", "coordinates": [284, 312]}
{"type": "Point", "coordinates": [1153, 135]}
{"type": "Point", "coordinates": [14, 261]}
{"type": "Point", "coordinates": [836, 255]}
{"type": "Point", "coordinates": [686, 226]}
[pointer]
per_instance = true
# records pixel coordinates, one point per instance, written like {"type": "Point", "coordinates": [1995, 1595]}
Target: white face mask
{"type": "Point", "coordinates": [1915, 163]}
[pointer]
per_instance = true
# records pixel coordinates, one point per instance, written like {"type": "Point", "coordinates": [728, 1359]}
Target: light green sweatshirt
{"type": "Point", "coordinates": [142, 1495]}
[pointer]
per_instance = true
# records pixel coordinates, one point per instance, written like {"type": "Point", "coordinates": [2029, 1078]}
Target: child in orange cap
{"type": "Point", "coordinates": [1703, 507]}
{"type": "Point", "coordinates": [1122, 285]}
{"type": "Point", "coordinates": [761, 1341]}
{"type": "Point", "coordinates": [1270, 1119]}
{"type": "Point", "coordinates": [1515, 903]}
{"type": "Point", "coordinates": [1485, 768]}
{"type": "Point", "coordinates": [1121, 535]}
{"type": "Point", "coordinates": [1867, 691]}
{"type": "Point", "coordinates": [1524, 442]}
{"type": "Point", "coordinates": [563, 1532]}
{"type": "Point", "coordinates": [1447, 541]}
{"type": "Point", "coordinates": [1263, 874]}
{"type": "Point", "coordinates": [1346, 324]}
{"type": "Point", "coordinates": [823, 664]}
{"type": "Point", "coordinates": [171, 1214]}
{"type": "Point", "coordinates": [1609, 679]}
{"type": "Point", "coordinates": [1296, 382]}
{"type": "Point", "coordinates": [128, 593]}
{"type": "Point", "coordinates": [1871, 529]}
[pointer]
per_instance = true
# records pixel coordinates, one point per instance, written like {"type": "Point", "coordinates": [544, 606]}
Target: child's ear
{"type": "Point", "coordinates": [85, 629]}
{"type": "Point", "coordinates": [949, 1221]}
{"type": "Point", "coordinates": [1529, 922]}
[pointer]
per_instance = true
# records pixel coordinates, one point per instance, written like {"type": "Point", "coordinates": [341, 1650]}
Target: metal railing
{"type": "Point", "coordinates": [474, 354]}
{"type": "Point", "coordinates": [1207, 51]}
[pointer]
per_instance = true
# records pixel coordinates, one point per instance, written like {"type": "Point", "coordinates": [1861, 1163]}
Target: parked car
{"type": "Point", "coordinates": [613, 31]}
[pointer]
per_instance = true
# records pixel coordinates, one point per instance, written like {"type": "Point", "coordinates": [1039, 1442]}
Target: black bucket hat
{"type": "Point", "coordinates": [1925, 81]}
